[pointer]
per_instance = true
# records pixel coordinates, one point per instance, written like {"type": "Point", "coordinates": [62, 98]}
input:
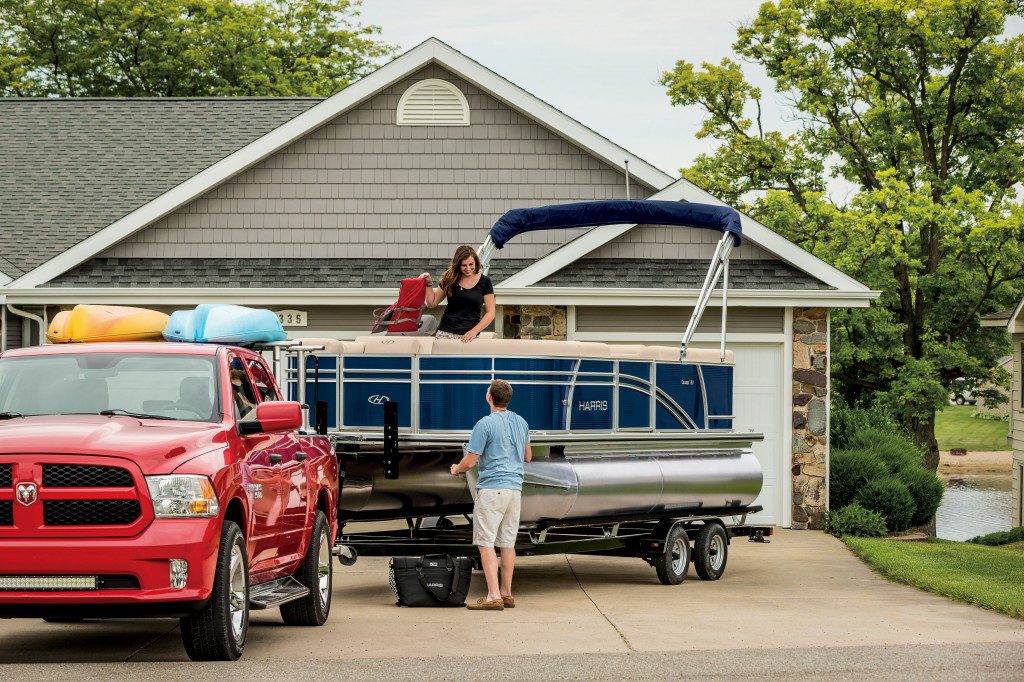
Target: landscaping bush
{"type": "Point", "coordinates": [849, 471]}
{"type": "Point", "coordinates": [894, 450]}
{"type": "Point", "coordinates": [1003, 537]}
{"type": "Point", "coordinates": [854, 519]}
{"type": "Point", "coordinates": [845, 421]}
{"type": "Point", "coordinates": [926, 489]}
{"type": "Point", "coordinates": [890, 498]}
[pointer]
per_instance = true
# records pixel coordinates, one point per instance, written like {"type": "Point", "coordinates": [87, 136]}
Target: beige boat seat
{"type": "Point", "coordinates": [626, 351]}
{"type": "Point", "coordinates": [396, 345]}
{"type": "Point", "coordinates": [334, 346]}
{"type": "Point", "coordinates": [523, 347]}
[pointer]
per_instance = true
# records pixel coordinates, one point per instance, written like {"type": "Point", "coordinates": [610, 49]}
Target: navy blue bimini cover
{"type": "Point", "coordinates": [593, 213]}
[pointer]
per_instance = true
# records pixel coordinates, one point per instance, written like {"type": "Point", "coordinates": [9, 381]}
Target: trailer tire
{"type": "Point", "coordinates": [675, 562]}
{"type": "Point", "coordinates": [711, 552]}
{"type": "Point", "coordinates": [348, 556]}
{"type": "Point", "coordinates": [316, 573]}
{"type": "Point", "coordinates": [217, 632]}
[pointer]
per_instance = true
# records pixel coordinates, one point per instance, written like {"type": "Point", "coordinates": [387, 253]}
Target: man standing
{"type": "Point", "coordinates": [501, 443]}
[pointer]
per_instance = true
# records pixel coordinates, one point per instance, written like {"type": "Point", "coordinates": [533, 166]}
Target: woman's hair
{"type": "Point", "coordinates": [454, 271]}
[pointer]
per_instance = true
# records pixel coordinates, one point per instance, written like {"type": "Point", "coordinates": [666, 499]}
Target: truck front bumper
{"type": "Point", "coordinates": [134, 573]}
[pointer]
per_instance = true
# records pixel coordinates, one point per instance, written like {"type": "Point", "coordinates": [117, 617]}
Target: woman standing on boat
{"type": "Point", "coordinates": [468, 291]}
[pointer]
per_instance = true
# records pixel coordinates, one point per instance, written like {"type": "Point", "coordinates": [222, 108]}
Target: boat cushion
{"type": "Point", "coordinates": [671, 354]}
{"type": "Point", "coordinates": [396, 345]}
{"type": "Point", "coordinates": [519, 347]}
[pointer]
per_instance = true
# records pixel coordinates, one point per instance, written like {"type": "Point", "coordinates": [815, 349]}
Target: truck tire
{"type": "Point", "coordinates": [316, 572]}
{"type": "Point", "coordinates": [217, 633]}
{"type": "Point", "coordinates": [711, 551]}
{"type": "Point", "coordinates": [675, 562]}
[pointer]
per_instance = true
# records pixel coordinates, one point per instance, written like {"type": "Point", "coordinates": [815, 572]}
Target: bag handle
{"type": "Point", "coordinates": [449, 565]}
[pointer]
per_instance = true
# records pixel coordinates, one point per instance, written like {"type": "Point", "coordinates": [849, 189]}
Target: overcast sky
{"type": "Point", "coordinates": [597, 60]}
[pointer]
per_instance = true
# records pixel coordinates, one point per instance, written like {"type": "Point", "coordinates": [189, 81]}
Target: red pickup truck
{"type": "Point", "coordinates": [159, 479]}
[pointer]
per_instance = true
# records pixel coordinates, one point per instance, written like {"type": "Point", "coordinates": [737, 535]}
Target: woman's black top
{"type": "Point", "coordinates": [464, 305]}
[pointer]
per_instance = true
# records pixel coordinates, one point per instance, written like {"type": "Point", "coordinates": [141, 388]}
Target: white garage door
{"type": "Point", "coordinates": [758, 405]}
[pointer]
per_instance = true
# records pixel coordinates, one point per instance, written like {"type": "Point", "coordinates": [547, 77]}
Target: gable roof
{"type": "Point", "coordinates": [430, 51]}
{"type": "Point", "coordinates": [66, 171]}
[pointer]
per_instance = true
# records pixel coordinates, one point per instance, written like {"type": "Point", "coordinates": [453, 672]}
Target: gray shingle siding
{"type": "Point", "coordinates": [69, 168]}
{"type": "Point", "coordinates": [364, 187]}
{"type": "Point", "coordinates": [650, 273]}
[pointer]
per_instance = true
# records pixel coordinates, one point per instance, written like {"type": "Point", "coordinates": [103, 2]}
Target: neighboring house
{"type": "Point", "coordinates": [1013, 322]}
{"type": "Point", "coordinates": [1003, 409]}
{"type": "Point", "coordinates": [319, 207]}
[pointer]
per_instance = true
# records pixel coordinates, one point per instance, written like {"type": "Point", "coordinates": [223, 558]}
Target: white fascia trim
{"type": "Point", "coordinates": [56, 296]}
{"type": "Point", "coordinates": [824, 298]}
{"type": "Point", "coordinates": [4, 280]}
{"type": "Point", "coordinates": [686, 191]}
{"type": "Point", "coordinates": [431, 50]}
{"type": "Point", "coordinates": [1011, 324]}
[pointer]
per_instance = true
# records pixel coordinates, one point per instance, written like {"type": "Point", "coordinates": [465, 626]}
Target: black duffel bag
{"type": "Point", "coordinates": [432, 580]}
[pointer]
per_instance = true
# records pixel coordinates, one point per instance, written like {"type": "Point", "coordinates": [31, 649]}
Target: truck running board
{"type": "Point", "coordinates": [275, 593]}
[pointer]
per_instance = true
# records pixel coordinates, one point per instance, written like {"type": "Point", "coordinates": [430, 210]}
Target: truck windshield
{"type": "Point", "coordinates": [165, 386]}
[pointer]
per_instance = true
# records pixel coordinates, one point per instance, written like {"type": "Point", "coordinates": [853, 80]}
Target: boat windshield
{"type": "Point", "coordinates": [156, 386]}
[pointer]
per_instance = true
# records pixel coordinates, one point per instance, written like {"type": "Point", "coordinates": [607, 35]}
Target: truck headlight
{"type": "Point", "coordinates": [182, 496]}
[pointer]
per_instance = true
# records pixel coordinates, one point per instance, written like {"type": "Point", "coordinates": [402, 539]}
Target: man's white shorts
{"type": "Point", "coordinates": [496, 517]}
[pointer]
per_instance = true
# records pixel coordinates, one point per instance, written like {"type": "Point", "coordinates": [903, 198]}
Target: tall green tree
{"type": "Point", "coordinates": [179, 48]}
{"type": "Point", "coordinates": [919, 104]}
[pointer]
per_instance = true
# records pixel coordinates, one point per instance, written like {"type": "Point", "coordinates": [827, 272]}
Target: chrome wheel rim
{"type": "Point", "coordinates": [678, 556]}
{"type": "Point", "coordinates": [716, 552]}
{"type": "Point", "coordinates": [238, 600]}
{"type": "Point", "coordinates": [324, 568]}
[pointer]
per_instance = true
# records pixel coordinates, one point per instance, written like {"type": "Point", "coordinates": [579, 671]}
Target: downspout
{"type": "Point", "coordinates": [30, 316]}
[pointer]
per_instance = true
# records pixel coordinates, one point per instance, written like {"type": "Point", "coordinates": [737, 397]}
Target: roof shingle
{"type": "Point", "coordinates": [678, 274]}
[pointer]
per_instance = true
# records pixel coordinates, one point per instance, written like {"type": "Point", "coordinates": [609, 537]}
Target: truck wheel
{"type": "Point", "coordinates": [316, 573]}
{"type": "Point", "coordinates": [711, 552]}
{"type": "Point", "coordinates": [217, 633]}
{"type": "Point", "coordinates": [675, 562]}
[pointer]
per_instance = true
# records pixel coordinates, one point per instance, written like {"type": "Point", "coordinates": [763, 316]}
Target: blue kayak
{"type": "Point", "coordinates": [224, 323]}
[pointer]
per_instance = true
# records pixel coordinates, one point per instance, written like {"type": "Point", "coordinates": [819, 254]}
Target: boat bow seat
{"type": "Point", "coordinates": [396, 345]}
{"type": "Point", "coordinates": [671, 354]}
{"type": "Point", "coordinates": [334, 346]}
{"type": "Point", "coordinates": [521, 347]}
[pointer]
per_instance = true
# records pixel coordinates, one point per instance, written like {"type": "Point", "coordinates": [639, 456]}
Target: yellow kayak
{"type": "Point", "coordinates": [96, 323]}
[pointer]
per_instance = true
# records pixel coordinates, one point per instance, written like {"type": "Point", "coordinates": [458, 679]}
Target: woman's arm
{"type": "Point", "coordinates": [434, 296]}
{"type": "Point", "coordinates": [484, 321]}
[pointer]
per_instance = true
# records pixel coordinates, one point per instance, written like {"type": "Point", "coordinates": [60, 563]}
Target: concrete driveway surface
{"type": "Point", "coordinates": [801, 606]}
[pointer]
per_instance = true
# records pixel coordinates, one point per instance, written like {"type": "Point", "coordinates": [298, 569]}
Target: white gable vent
{"type": "Point", "coordinates": [433, 102]}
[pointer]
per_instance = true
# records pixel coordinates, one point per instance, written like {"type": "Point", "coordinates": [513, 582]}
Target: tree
{"type": "Point", "coordinates": [183, 48]}
{"type": "Point", "coordinates": [918, 104]}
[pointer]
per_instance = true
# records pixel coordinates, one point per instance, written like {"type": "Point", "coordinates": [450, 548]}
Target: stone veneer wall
{"type": "Point", "coordinates": [534, 322]}
{"type": "Point", "coordinates": [810, 416]}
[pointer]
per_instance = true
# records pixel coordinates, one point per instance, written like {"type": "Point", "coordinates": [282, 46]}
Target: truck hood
{"type": "Point", "coordinates": [156, 446]}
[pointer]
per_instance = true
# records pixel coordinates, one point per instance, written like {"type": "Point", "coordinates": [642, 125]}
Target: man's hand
{"type": "Point", "coordinates": [455, 470]}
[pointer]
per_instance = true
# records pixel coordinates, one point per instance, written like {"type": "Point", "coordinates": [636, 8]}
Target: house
{"type": "Point", "coordinates": [1013, 321]}
{"type": "Point", "coordinates": [316, 208]}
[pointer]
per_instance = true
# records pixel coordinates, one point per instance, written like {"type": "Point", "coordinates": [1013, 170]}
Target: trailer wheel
{"type": "Point", "coordinates": [217, 633]}
{"type": "Point", "coordinates": [711, 551]}
{"type": "Point", "coordinates": [348, 556]}
{"type": "Point", "coordinates": [675, 562]}
{"type": "Point", "coordinates": [315, 573]}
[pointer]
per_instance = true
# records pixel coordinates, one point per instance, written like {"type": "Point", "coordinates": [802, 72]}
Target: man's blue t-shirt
{"type": "Point", "coordinates": [500, 439]}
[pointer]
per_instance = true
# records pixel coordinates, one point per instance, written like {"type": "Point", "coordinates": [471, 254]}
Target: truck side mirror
{"type": "Point", "coordinates": [274, 416]}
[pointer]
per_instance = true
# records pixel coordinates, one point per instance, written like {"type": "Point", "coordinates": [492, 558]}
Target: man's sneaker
{"type": "Point", "coordinates": [509, 601]}
{"type": "Point", "coordinates": [483, 605]}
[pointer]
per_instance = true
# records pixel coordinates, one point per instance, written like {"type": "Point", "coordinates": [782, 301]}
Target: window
{"type": "Point", "coordinates": [242, 393]}
{"type": "Point", "coordinates": [433, 102]}
{"type": "Point", "coordinates": [261, 377]}
{"type": "Point", "coordinates": [180, 387]}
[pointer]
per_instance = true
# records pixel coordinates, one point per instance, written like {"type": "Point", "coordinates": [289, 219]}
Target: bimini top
{"type": "Point", "coordinates": [593, 213]}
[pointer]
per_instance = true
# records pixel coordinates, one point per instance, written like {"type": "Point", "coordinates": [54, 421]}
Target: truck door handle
{"type": "Point", "coordinates": [275, 458]}
{"type": "Point", "coordinates": [301, 456]}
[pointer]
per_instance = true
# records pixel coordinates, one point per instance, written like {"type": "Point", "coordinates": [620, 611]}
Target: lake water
{"type": "Point", "coordinates": [974, 505]}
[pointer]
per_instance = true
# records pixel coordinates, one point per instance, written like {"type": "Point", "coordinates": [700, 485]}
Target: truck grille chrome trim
{"type": "Point", "coordinates": [47, 583]}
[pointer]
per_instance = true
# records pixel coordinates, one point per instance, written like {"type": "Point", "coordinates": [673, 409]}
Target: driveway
{"type": "Point", "coordinates": [803, 591]}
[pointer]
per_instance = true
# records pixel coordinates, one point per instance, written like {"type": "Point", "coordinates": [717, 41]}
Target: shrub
{"type": "Point", "coordinates": [845, 421]}
{"type": "Point", "coordinates": [854, 519]}
{"type": "Point", "coordinates": [894, 450]}
{"type": "Point", "coordinates": [849, 471]}
{"type": "Point", "coordinates": [926, 489]}
{"type": "Point", "coordinates": [1003, 537]}
{"type": "Point", "coordinates": [890, 498]}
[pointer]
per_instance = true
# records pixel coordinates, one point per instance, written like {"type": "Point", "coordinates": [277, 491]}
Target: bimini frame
{"type": "Point", "coordinates": [594, 213]}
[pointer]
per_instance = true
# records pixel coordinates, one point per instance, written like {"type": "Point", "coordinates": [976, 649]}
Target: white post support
{"type": "Point", "coordinates": [718, 262]}
{"type": "Point", "coordinates": [725, 301]}
{"type": "Point", "coordinates": [485, 252]}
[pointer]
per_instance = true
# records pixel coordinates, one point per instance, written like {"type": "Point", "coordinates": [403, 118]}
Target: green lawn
{"type": "Point", "coordinates": [990, 577]}
{"type": "Point", "coordinates": [955, 427]}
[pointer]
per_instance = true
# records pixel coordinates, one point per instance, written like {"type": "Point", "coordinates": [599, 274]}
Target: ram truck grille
{"type": "Point", "coordinates": [90, 512]}
{"type": "Point", "coordinates": [71, 496]}
{"type": "Point", "coordinates": [85, 476]}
